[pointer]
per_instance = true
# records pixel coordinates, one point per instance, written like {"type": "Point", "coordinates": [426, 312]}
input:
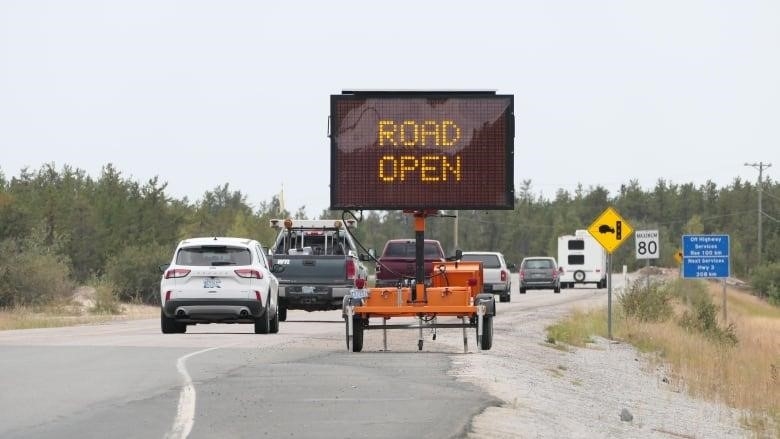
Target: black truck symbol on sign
{"type": "Point", "coordinates": [617, 230]}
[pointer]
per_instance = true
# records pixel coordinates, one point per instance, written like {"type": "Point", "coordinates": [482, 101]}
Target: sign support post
{"type": "Point", "coordinates": [609, 296]}
{"type": "Point", "coordinates": [610, 230]}
{"type": "Point", "coordinates": [707, 257]}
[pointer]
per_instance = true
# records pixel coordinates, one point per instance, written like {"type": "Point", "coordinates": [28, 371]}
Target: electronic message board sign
{"type": "Point", "coordinates": [421, 151]}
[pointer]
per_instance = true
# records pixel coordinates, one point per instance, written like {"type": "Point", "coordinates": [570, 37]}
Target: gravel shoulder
{"type": "Point", "coordinates": [579, 392]}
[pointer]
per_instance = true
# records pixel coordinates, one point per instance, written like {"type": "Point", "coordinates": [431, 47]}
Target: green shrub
{"type": "Point", "coordinates": [135, 272]}
{"type": "Point", "coordinates": [765, 280]}
{"type": "Point", "coordinates": [646, 303]}
{"type": "Point", "coordinates": [106, 299]}
{"type": "Point", "coordinates": [703, 318]}
{"type": "Point", "coordinates": [31, 274]}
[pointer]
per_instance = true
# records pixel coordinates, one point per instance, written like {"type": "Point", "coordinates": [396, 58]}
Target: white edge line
{"type": "Point", "coordinates": [185, 411]}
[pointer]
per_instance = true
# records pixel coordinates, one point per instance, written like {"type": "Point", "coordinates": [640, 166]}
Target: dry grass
{"type": "Point", "coordinates": [68, 314]}
{"type": "Point", "coordinates": [745, 376]}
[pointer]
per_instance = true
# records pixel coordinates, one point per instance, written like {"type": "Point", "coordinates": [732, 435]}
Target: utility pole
{"type": "Point", "coordinates": [760, 166]}
{"type": "Point", "coordinates": [455, 233]}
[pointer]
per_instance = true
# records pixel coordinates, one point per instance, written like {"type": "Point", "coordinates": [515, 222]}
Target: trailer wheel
{"type": "Point", "coordinates": [487, 332]}
{"type": "Point", "coordinates": [357, 333]}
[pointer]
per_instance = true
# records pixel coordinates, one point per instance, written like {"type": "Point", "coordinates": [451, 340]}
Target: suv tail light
{"type": "Point", "coordinates": [176, 272]}
{"type": "Point", "coordinates": [554, 273]}
{"type": "Point", "coordinates": [350, 268]}
{"type": "Point", "coordinates": [248, 272]}
{"type": "Point", "coordinates": [522, 274]}
{"type": "Point", "coordinates": [503, 275]}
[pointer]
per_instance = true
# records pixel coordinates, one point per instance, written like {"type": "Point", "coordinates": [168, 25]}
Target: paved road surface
{"type": "Point", "coordinates": [126, 379]}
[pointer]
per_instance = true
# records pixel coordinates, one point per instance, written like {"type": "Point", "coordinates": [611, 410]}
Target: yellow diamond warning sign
{"type": "Point", "coordinates": [610, 230]}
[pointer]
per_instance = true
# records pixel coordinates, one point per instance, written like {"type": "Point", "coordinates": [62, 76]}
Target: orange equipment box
{"type": "Point", "coordinates": [459, 274]}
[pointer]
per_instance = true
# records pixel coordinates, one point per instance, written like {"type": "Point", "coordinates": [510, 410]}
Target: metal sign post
{"type": "Point", "coordinates": [707, 257]}
{"type": "Point", "coordinates": [609, 296]}
{"type": "Point", "coordinates": [610, 230]}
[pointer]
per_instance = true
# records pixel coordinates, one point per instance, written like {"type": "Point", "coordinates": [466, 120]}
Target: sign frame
{"type": "Point", "coordinates": [600, 229]}
{"type": "Point", "coordinates": [356, 166]}
{"type": "Point", "coordinates": [706, 256]}
{"type": "Point", "coordinates": [649, 241]}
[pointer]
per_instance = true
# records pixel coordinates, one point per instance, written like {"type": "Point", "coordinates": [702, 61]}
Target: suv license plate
{"type": "Point", "coordinates": [307, 290]}
{"type": "Point", "coordinates": [211, 282]}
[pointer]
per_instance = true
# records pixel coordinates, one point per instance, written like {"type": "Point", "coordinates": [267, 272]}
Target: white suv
{"type": "Point", "coordinates": [495, 272]}
{"type": "Point", "coordinates": [219, 280]}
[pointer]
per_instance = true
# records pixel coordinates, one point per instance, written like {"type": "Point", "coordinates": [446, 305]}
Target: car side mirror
{"type": "Point", "coordinates": [364, 257]}
{"type": "Point", "coordinates": [163, 267]}
{"type": "Point", "coordinates": [457, 257]}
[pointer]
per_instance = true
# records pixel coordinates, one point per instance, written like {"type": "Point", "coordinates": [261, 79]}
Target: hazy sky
{"type": "Point", "coordinates": [202, 93]}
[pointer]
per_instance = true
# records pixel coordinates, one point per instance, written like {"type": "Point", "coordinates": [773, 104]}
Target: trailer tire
{"type": "Point", "coordinates": [579, 276]}
{"type": "Point", "coordinates": [487, 333]}
{"type": "Point", "coordinates": [357, 333]}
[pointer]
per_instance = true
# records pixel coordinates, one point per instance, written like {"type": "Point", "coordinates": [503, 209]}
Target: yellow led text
{"type": "Point", "coordinates": [411, 133]}
{"type": "Point", "coordinates": [431, 168]}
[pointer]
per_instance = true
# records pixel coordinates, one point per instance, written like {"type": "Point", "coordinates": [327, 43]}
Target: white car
{"type": "Point", "coordinates": [219, 280]}
{"type": "Point", "coordinates": [495, 273]}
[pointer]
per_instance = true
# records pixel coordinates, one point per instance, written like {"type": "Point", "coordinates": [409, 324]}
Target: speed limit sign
{"type": "Point", "coordinates": [646, 244]}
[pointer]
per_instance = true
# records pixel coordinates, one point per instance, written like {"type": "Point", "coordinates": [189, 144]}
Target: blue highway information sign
{"type": "Point", "coordinates": [705, 256]}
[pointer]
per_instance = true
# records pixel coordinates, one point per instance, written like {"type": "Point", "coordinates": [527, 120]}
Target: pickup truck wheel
{"type": "Point", "coordinates": [487, 332]}
{"type": "Point", "coordinates": [357, 333]}
{"type": "Point", "coordinates": [282, 312]}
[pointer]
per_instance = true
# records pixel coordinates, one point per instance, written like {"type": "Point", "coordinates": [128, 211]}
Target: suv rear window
{"type": "Point", "coordinates": [406, 250]}
{"type": "Point", "coordinates": [213, 255]}
{"type": "Point", "coordinates": [533, 264]}
{"type": "Point", "coordinates": [488, 261]}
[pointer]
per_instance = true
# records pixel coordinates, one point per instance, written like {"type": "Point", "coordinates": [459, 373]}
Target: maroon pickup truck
{"type": "Point", "coordinates": [397, 262]}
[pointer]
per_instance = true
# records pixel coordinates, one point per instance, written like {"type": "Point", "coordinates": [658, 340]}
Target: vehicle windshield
{"type": "Point", "coordinates": [407, 250]}
{"type": "Point", "coordinates": [533, 264]}
{"type": "Point", "coordinates": [202, 256]}
{"type": "Point", "coordinates": [488, 261]}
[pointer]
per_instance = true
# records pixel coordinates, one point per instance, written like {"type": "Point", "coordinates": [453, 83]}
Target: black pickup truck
{"type": "Point", "coordinates": [320, 264]}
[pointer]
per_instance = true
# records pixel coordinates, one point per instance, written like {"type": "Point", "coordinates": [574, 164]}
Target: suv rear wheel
{"type": "Point", "coordinates": [169, 325]}
{"type": "Point", "coordinates": [263, 323]}
{"type": "Point", "coordinates": [275, 323]}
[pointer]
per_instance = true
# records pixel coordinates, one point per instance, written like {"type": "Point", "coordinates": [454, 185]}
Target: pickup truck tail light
{"type": "Point", "coordinates": [351, 269]}
{"type": "Point", "coordinates": [503, 275]}
{"type": "Point", "coordinates": [248, 272]}
{"type": "Point", "coordinates": [176, 272]}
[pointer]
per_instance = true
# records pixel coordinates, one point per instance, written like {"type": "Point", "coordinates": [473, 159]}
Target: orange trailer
{"type": "Point", "coordinates": [454, 290]}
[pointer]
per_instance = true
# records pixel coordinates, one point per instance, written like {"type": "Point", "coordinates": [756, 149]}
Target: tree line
{"type": "Point", "coordinates": [60, 228]}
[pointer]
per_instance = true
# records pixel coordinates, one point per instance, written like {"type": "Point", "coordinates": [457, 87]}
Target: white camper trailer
{"type": "Point", "coordinates": [582, 259]}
